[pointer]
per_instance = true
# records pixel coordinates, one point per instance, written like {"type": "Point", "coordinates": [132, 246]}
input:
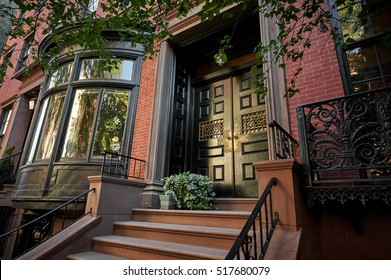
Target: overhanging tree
{"type": "Point", "coordinates": [76, 25]}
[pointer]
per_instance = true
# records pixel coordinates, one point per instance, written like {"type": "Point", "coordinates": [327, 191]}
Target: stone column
{"type": "Point", "coordinates": [159, 134]}
{"type": "Point", "coordinates": [276, 102]}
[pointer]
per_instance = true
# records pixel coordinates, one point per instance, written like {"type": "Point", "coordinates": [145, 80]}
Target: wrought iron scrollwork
{"type": "Point", "coordinates": [351, 135]}
{"type": "Point", "coordinates": [247, 248]}
{"type": "Point", "coordinates": [352, 132]}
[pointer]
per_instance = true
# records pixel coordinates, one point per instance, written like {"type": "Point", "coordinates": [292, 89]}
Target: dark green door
{"type": "Point", "coordinates": [230, 122]}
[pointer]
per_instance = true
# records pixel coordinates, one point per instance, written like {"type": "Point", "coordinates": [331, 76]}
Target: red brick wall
{"type": "Point", "coordinates": [320, 78]}
{"type": "Point", "coordinates": [144, 110]}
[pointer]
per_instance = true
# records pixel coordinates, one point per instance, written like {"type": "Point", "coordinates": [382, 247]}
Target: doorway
{"type": "Point", "coordinates": [230, 129]}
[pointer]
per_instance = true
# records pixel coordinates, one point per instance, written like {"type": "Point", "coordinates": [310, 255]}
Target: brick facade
{"type": "Point", "coordinates": [144, 110]}
{"type": "Point", "coordinates": [320, 78]}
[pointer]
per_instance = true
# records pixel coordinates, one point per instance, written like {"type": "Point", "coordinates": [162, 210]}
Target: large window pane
{"type": "Point", "coordinates": [38, 128]}
{"type": "Point", "coordinates": [385, 58]}
{"type": "Point", "coordinates": [5, 121]}
{"type": "Point", "coordinates": [61, 75]}
{"type": "Point", "coordinates": [80, 123]}
{"type": "Point", "coordinates": [111, 122]}
{"type": "Point", "coordinates": [358, 23]}
{"type": "Point", "coordinates": [350, 23]}
{"type": "Point", "coordinates": [96, 69]}
{"type": "Point", "coordinates": [379, 13]}
{"type": "Point", "coordinates": [51, 126]}
{"type": "Point", "coordinates": [363, 64]}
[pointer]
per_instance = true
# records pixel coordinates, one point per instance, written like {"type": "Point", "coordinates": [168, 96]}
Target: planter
{"type": "Point", "coordinates": [166, 202]}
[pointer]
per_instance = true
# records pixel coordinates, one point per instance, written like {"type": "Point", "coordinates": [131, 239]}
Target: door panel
{"type": "Point", "coordinates": [214, 123]}
{"type": "Point", "coordinates": [231, 134]}
{"type": "Point", "coordinates": [250, 133]}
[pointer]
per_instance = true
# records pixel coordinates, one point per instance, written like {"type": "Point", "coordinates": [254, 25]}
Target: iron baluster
{"type": "Point", "coordinates": [245, 243]}
{"type": "Point", "coordinates": [123, 166]}
{"type": "Point", "coordinates": [43, 225]}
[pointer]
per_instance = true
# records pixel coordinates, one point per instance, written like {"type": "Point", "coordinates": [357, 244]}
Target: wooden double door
{"type": "Point", "coordinates": [231, 127]}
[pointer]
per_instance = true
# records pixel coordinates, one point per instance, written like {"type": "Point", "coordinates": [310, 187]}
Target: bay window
{"type": "Point", "coordinates": [87, 114]}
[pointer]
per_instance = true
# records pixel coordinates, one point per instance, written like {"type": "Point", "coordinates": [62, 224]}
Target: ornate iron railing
{"type": "Point", "coordinates": [35, 232]}
{"type": "Point", "coordinates": [346, 144]}
{"type": "Point", "coordinates": [256, 234]}
{"type": "Point", "coordinates": [284, 144]}
{"type": "Point", "coordinates": [121, 166]}
{"type": "Point", "coordinates": [8, 167]}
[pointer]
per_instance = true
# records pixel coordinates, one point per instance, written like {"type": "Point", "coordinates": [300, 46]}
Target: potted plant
{"type": "Point", "coordinates": [166, 201]}
{"type": "Point", "coordinates": [189, 191]}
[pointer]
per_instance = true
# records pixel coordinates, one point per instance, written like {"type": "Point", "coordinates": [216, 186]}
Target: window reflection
{"type": "Point", "coordinates": [61, 75]}
{"type": "Point", "coordinates": [95, 120]}
{"type": "Point", "coordinates": [111, 122]}
{"type": "Point", "coordinates": [367, 22]}
{"type": "Point", "coordinates": [51, 127]}
{"type": "Point", "coordinates": [80, 123]}
{"type": "Point", "coordinates": [98, 69]}
{"type": "Point", "coordinates": [358, 22]}
{"type": "Point", "coordinates": [38, 128]}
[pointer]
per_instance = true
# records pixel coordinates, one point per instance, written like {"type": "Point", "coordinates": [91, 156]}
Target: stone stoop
{"type": "Point", "coordinates": [155, 234]}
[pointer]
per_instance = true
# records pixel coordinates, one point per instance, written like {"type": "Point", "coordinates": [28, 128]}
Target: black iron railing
{"type": "Point", "coordinates": [256, 234]}
{"type": "Point", "coordinates": [346, 143]}
{"type": "Point", "coordinates": [121, 166]}
{"type": "Point", "coordinates": [8, 167]}
{"type": "Point", "coordinates": [35, 232]}
{"type": "Point", "coordinates": [284, 144]}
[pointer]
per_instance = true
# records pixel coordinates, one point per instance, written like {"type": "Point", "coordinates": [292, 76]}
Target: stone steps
{"type": "Point", "coordinates": [144, 249]}
{"type": "Point", "coordinates": [155, 234]}
{"type": "Point", "coordinates": [214, 237]}
{"type": "Point", "coordinates": [221, 219]}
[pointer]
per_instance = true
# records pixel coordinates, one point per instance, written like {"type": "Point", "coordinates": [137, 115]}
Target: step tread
{"type": "Point", "coordinates": [154, 245]}
{"type": "Point", "coordinates": [179, 227]}
{"type": "Point", "coordinates": [193, 212]}
{"type": "Point", "coordinates": [93, 255]}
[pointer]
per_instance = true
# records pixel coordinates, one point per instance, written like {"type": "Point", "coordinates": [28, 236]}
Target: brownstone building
{"type": "Point", "coordinates": [183, 111]}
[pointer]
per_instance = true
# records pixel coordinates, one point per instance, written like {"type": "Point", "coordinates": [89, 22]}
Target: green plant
{"type": "Point", "coordinates": [6, 164]}
{"type": "Point", "coordinates": [190, 191]}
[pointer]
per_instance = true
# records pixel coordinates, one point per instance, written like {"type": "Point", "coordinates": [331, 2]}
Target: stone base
{"type": "Point", "coordinates": [150, 195]}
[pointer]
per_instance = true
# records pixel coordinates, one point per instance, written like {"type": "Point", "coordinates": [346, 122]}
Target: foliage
{"type": "Point", "coordinates": [5, 162]}
{"type": "Point", "coordinates": [8, 151]}
{"type": "Point", "coordinates": [72, 24]}
{"type": "Point", "coordinates": [190, 191]}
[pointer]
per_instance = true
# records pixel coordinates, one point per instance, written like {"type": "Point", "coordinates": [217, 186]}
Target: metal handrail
{"type": "Point", "coordinates": [284, 143]}
{"type": "Point", "coordinates": [122, 166]}
{"type": "Point", "coordinates": [42, 227]}
{"type": "Point", "coordinates": [8, 168]}
{"type": "Point", "coordinates": [246, 244]}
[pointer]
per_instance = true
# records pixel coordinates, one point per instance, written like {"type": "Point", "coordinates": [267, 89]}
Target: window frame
{"type": "Point", "coordinates": [71, 86]}
{"type": "Point", "coordinates": [370, 40]}
{"type": "Point", "coordinates": [5, 119]}
{"type": "Point", "coordinates": [24, 53]}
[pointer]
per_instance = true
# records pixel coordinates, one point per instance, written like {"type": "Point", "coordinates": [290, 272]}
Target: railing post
{"type": "Point", "coordinates": [304, 146]}
{"type": "Point", "coordinates": [286, 197]}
